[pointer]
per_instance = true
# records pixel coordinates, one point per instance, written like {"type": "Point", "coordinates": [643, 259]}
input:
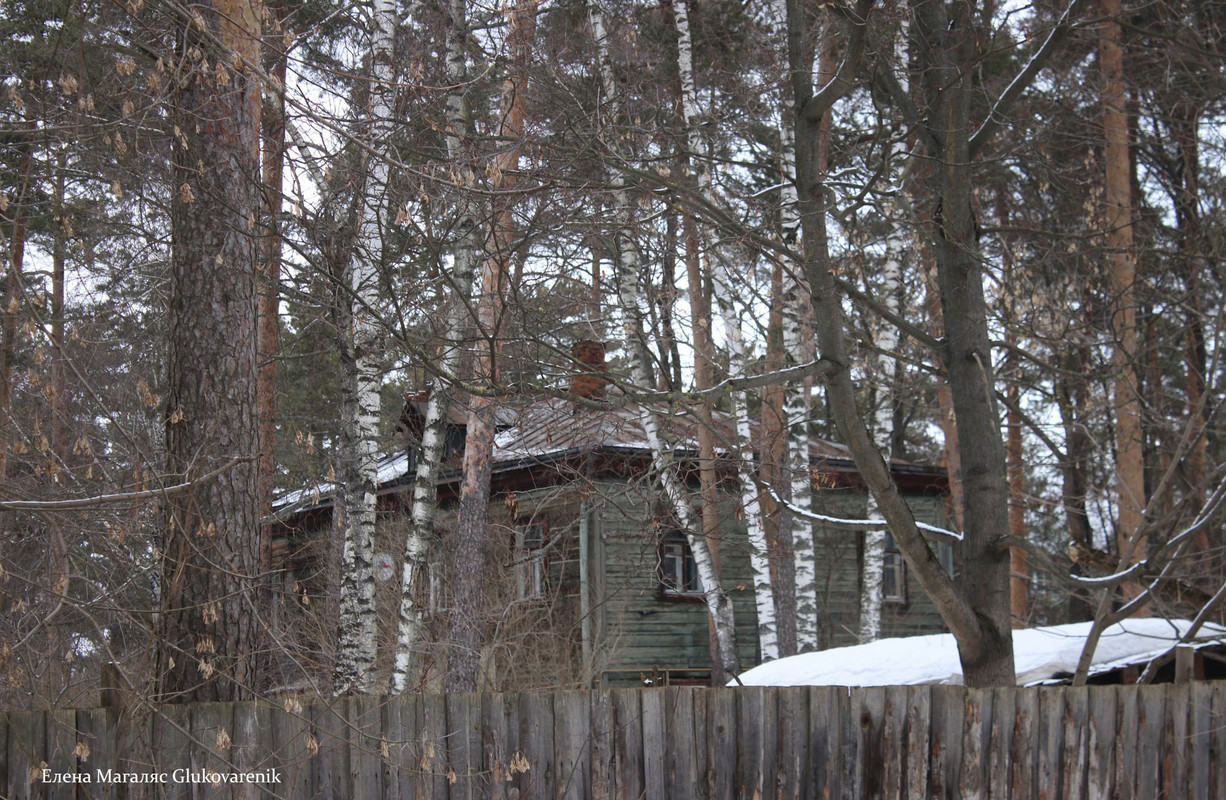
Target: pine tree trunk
{"type": "Point", "coordinates": [1126, 404]}
{"type": "Point", "coordinates": [464, 639]}
{"type": "Point", "coordinates": [210, 553]}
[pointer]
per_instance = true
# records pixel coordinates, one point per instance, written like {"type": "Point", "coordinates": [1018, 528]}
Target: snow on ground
{"type": "Point", "coordinates": [1039, 654]}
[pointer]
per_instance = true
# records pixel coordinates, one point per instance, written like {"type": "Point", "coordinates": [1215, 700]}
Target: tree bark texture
{"type": "Point", "coordinates": [464, 640]}
{"type": "Point", "coordinates": [946, 50]}
{"type": "Point", "coordinates": [356, 647]}
{"type": "Point", "coordinates": [1122, 277]}
{"type": "Point", "coordinates": [209, 631]}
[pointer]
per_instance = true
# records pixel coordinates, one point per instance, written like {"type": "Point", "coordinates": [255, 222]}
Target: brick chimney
{"type": "Point", "coordinates": [588, 380]}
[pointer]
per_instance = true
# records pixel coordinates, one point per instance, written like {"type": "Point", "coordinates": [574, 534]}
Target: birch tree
{"type": "Point", "coordinates": [885, 362]}
{"type": "Point", "coordinates": [741, 445]}
{"type": "Point", "coordinates": [796, 314]}
{"type": "Point", "coordinates": [360, 358]}
{"type": "Point", "coordinates": [719, 604]}
{"type": "Point", "coordinates": [463, 260]}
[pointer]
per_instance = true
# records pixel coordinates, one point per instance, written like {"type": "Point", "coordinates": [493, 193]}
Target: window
{"type": "Point", "coordinates": [529, 561]}
{"type": "Point", "coordinates": [678, 570]}
{"type": "Point", "coordinates": [894, 569]}
{"type": "Point", "coordinates": [893, 573]}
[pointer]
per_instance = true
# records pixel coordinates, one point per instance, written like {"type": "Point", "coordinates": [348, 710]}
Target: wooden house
{"type": "Point", "coordinates": [591, 582]}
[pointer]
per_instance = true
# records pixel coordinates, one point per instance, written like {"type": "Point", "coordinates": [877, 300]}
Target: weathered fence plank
{"type": "Point", "coordinates": [96, 752]}
{"type": "Point", "coordinates": [572, 745]}
{"type": "Point", "coordinates": [1126, 733]}
{"type": "Point", "coordinates": [675, 743]}
{"type": "Point", "coordinates": [824, 749]}
{"type": "Point", "coordinates": [365, 737]}
{"type": "Point", "coordinates": [1200, 740]}
{"type": "Point", "coordinates": [291, 742]}
{"type": "Point", "coordinates": [171, 729]}
{"type": "Point", "coordinates": [793, 734]}
{"type": "Point", "coordinates": [463, 741]}
{"type": "Point", "coordinates": [1076, 741]}
{"type": "Point", "coordinates": [1023, 769]}
{"type": "Point", "coordinates": [948, 712]}
{"type": "Point", "coordinates": [1051, 741]}
{"type": "Point", "coordinates": [976, 730]}
{"type": "Point", "coordinates": [680, 769]}
{"type": "Point", "coordinates": [628, 741]}
{"type": "Point", "coordinates": [749, 743]}
{"type": "Point", "coordinates": [536, 744]}
{"type": "Point", "coordinates": [1217, 752]}
{"type": "Point", "coordinates": [495, 746]}
{"type": "Point", "coordinates": [1151, 744]}
{"type": "Point", "coordinates": [918, 739]}
{"type": "Point", "coordinates": [654, 742]}
{"type": "Point", "coordinates": [604, 725]}
{"type": "Point", "coordinates": [867, 715]}
{"type": "Point", "coordinates": [1000, 727]}
{"type": "Point", "coordinates": [721, 739]}
{"type": "Point", "coordinates": [1174, 758]}
{"type": "Point", "coordinates": [1100, 777]}
{"type": "Point", "coordinates": [26, 754]}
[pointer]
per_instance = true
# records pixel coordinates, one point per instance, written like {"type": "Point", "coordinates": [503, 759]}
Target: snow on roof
{"type": "Point", "coordinates": [1039, 654]}
{"type": "Point", "coordinates": [551, 427]}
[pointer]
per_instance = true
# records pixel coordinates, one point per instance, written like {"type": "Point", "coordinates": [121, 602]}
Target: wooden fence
{"type": "Point", "coordinates": [675, 743]}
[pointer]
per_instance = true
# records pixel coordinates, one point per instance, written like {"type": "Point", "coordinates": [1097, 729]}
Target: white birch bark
{"type": "Point", "coordinates": [425, 482]}
{"type": "Point", "coordinates": [796, 403]}
{"type": "Point", "coordinates": [741, 444]}
{"type": "Point", "coordinates": [356, 628]}
{"type": "Point", "coordinates": [885, 372]}
{"type": "Point", "coordinates": [719, 604]}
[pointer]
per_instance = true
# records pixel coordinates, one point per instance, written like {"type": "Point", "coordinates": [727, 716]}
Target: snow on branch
{"type": "Point", "coordinates": [842, 523]}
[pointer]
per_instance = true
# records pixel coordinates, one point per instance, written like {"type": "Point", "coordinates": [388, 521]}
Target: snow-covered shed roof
{"type": "Point", "coordinates": [1040, 655]}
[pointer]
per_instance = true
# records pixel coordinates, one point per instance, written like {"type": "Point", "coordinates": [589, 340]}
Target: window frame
{"type": "Point", "coordinates": [675, 550]}
{"type": "Point", "coordinates": [529, 551]}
